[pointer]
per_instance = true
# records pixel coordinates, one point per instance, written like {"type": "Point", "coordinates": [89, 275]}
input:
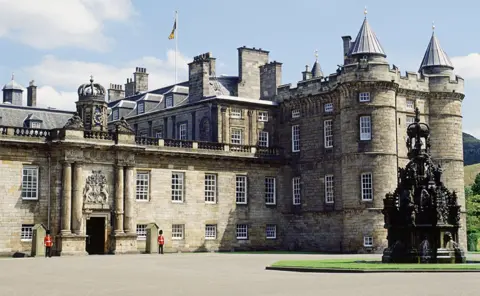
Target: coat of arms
{"type": "Point", "coordinates": [95, 190]}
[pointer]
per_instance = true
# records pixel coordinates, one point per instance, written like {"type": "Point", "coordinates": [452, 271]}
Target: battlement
{"type": "Point", "coordinates": [307, 87]}
{"type": "Point", "coordinates": [140, 70]}
{"type": "Point", "coordinates": [260, 50]}
{"type": "Point", "coordinates": [116, 86]}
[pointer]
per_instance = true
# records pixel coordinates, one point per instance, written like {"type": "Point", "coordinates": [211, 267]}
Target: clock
{"type": "Point", "coordinates": [97, 117]}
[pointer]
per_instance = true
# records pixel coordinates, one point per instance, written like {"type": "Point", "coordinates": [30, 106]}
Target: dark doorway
{"type": "Point", "coordinates": [96, 236]}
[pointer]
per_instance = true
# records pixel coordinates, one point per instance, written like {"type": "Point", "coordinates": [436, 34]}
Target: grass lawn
{"type": "Point", "coordinates": [353, 264]}
{"type": "Point", "coordinates": [471, 172]}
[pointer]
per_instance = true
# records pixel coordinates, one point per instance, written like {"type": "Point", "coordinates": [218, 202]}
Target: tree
{"type": "Point", "coordinates": [476, 185]}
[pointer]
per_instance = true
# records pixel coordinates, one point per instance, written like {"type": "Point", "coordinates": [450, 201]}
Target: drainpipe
{"type": "Point", "coordinates": [49, 189]}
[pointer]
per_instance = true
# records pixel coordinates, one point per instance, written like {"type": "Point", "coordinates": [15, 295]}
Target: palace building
{"type": "Point", "coordinates": [224, 163]}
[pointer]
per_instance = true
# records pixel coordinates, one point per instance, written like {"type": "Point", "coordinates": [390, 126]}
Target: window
{"type": "Point", "coordinates": [30, 182]}
{"type": "Point", "coordinates": [35, 124]}
{"type": "Point", "coordinates": [169, 102]}
{"type": "Point", "coordinates": [241, 189]}
{"type": "Point", "coordinates": [270, 191]}
{"type": "Point", "coordinates": [328, 133]}
{"type": "Point", "coordinates": [263, 139]}
{"type": "Point", "coordinates": [328, 107]}
{"type": "Point", "coordinates": [27, 232]}
{"type": "Point", "coordinates": [409, 120]}
{"type": "Point", "coordinates": [210, 231]}
{"type": "Point", "coordinates": [236, 136]}
{"type": "Point", "coordinates": [410, 104]}
{"type": "Point", "coordinates": [329, 197]}
{"type": "Point", "coordinates": [364, 97]}
{"type": "Point", "coordinates": [296, 190]}
{"type": "Point", "coordinates": [236, 113]}
{"type": "Point", "coordinates": [182, 131]}
{"type": "Point", "coordinates": [242, 231]}
{"type": "Point", "coordinates": [263, 116]}
{"type": "Point", "coordinates": [210, 188]}
{"type": "Point", "coordinates": [367, 188]}
{"type": "Point", "coordinates": [115, 114]}
{"type": "Point", "coordinates": [177, 231]}
{"type": "Point", "coordinates": [141, 231]}
{"type": "Point", "coordinates": [141, 108]}
{"type": "Point", "coordinates": [365, 128]}
{"type": "Point", "coordinates": [143, 182]}
{"type": "Point", "coordinates": [368, 241]}
{"type": "Point", "coordinates": [271, 231]}
{"type": "Point", "coordinates": [159, 134]}
{"type": "Point", "coordinates": [177, 186]}
{"type": "Point", "coordinates": [295, 138]}
{"type": "Point", "coordinates": [296, 113]}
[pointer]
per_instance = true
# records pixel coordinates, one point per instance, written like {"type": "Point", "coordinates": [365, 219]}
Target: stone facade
{"type": "Point", "coordinates": [230, 163]}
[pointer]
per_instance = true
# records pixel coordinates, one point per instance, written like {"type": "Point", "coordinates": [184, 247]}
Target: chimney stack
{"type": "Point", "coordinates": [270, 79]}
{"type": "Point", "coordinates": [140, 78]}
{"type": "Point", "coordinates": [199, 72]}
{"type": "Point", "coordinates": [32, 94]}
{"type": "Point", "coordinates": [115, 92]}
{"type": "Point", "coordinates": [129, 88]}
{"type": "Point", "coordinates": [249, 62]}
{"type": "Point", "coordinates": [346, 45]}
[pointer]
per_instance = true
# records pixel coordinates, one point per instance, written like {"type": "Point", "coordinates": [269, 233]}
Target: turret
{"type": "Point", "coordinates": [316, 69]}
{"type": "Point", "coordinates": [12, 92]}
{"type": "Point", "coordinates": [91, 106]}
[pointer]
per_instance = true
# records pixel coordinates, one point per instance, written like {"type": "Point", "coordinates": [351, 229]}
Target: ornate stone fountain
{"type": "Point", "coordinates": [422, 216]}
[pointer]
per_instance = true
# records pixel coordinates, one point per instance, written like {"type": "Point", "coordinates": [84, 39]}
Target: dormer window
{"type": "Point", "coordinates": [169, 102]}
{"type": "Point", "coordinates": [35, 124]}
{"type": "Point", "coordinates": [364, 97]}
{"type": "Point", "coordinates": [141, 108]}
{"type": "Point", "coordinates": [115, 114]}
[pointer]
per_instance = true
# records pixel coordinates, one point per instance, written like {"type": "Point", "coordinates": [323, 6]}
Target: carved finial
{"type": "Point", "coordinates": [365, 12]}
{"type": "Point", "coordinates": [316, 55]}
{"type": "Point", "coordinates": [13, 76]}
{"type": "Point", "coordinates": [433, 27]}
{"type": "Point", "coordinates": [417, 115]}
{"type": "Point", "coordinates": [91, 78]}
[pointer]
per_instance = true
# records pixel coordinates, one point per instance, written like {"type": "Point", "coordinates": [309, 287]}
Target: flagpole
{"type": "Point", "coordinates": [176, 43]}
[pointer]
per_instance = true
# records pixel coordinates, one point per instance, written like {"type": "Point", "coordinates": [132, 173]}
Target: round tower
{"type": "Point", "coordinates": [369, 154]}
{"type": "Point", "coordinates": [91, 106]}
{"type": "Point", "coordinates": [445, 120]}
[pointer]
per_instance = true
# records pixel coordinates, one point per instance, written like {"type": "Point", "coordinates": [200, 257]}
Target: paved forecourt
{"type": "Point", "coordinates": [212, 274]}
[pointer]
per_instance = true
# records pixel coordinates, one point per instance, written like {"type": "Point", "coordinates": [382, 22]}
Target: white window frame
{"type": "Point", "coordinates": [178, 231]}
{"type": "Point", "coordinates": [26, 232]}
{"type": "Point", "coordinates": [329, 189]}
{"type": "Point", "coordinates": [295, 113]}
{"type": "Point", "coordinates": [116, 114]}
{"type": "Point", "coordinates": [210, 231]}
{"type": "Point", "coordinates": [178, 187]}
{"type": "Point", "coordinates": [295, 138]}
{"type": "Point", "coordinates": [141, 231]}
{"type": "Point", "coordinates": [365, 125]}
{"type": "Point", "coordinates": [270, 190]}
{"type": "Point", "coordinates": [368, 241]}
{"type": "Point", "coordinates": [241, 231]}
{"type": "Point", "coordinates": [364, 97]}
{"type": "Point", "coordinates": [409, 120]}
{"type": "Point", "coordinates": [271, 231]}
{"type": "Point", "coordinates": [263, 116]}
{"type": "Point", "coordinates": [141, 108]}
{"type": "Point", "coordinates": [142, 188]}
{"type": "Point", "coordinates": [30, 180]}
{"type": "Point", "coordinates": [241, 184]}
{"type": "Point", "coordinates": [410, 104]}
{"type": "Point", "coordinates": [236, 136]}
{"type": "Point", "coordinates": [210, 188]}
{"type": "Point", "coordinates": [296, 191]}
{"type": "Point", "coordinates": [159, 134]}
{"type": "Point", "coordinates": [236, 113]}
{"type": "Point", "coordinates": [328, 107]}
{"type": "Point", "coordinates": [263, 139]}
{"type": "Point", "coordinates": [182, 132]}
{"type": "Point", "coordinates": [366, 181]}
{"type": "Point", "coordinates": [169, 102]}
{"type": "Point", "coordinates": [328, 133]}
{"type": "Point", "coordinates": [35, 124]}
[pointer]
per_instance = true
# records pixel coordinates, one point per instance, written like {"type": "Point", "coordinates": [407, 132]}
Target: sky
{"type": "Point", "coordinates": [60, 43]}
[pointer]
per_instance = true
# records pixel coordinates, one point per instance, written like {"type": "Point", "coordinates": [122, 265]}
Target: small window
{"type": "Point", "coordinates": [410, 104]}
{"type": "Point", "coordinates": [295, 138]}
{"type": "Point", "coordinates": [270, 191]}
{"type": "Point", "coordinates": [115, 114]}
{"type": "Point", "coordinates": [328, 107]}
{"type": "Point", "coordinates": [409, 120]}
{"type": "Point", "coordinates": [141, 231]}
{"type": "Point", "coordinates": [367, 186]}
{"type": "Point", "coordinates": [242, 231]}
{"type": "Point", "coordinates": [263, 116]}
{"type": "Point", "coordinates": [328, 133]}
{"type": "Point", "coordinates": [271, 231]}
{"type": "Point", "coordinates": [169, 102]}
{"type": "Point", "coordinates": [236, 113]}
{"type": "Point", "coordinates": [365, 128]}
{"type": "Point", "coordinates": [263, 139]}
{"type": "Point", "coordinates": [329, 197]}
{"type": "Point", "coordinates": [236, 136]}
{"type": "Point", "coordinates": [296, 190]}
{"type": "Point", "coordinates": [210, 231]}
{"type": "Point", "coordinates": [35, 124]}
{"type": "Point", "coordinates": [210, 188]}
{"type": "Point", "coordinates": [143, 183]}
{"type": "Point", "coordinates": [177, 186]}
{"type": "Point", "coordinates": [182, 132]}
{"type": "Point", "coordinates": [241, 189]}
{"type": "Point", "coordinates": [296, 113]}
{"type": "Point", "coordinates": [30, 182]}
{"type": "Point", "coordinates": [141, 108]}
{"type": "Point", "coordinates": [364, 97]}
{"type": "Point", "coordinates": [27, 232]}
{"type": "Point", "coordinates": [178, 231]}
{"type": "Point", "coordinates": [368, 241]}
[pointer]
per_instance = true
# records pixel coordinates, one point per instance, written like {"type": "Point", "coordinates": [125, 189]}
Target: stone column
{"type": "Point", "coordinates": [129, 200]}
{"type": "Point", "coordinates": [77, 203]}
{"type": "Point", "coordinates": [119, 200]}
{"type": "Point", "coordinates": [67, 198]}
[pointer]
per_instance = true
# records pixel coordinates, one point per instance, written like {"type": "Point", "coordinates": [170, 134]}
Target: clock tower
{"type": "Point", "coordinates": [92, 107]}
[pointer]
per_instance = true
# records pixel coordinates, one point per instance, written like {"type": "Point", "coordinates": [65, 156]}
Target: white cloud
{"type": "Point", "coordinates": [49, 24]}
{"type": "Point", "coordinates": [468, 66]}
{"type": "Point", "coordinates": [58, 80]}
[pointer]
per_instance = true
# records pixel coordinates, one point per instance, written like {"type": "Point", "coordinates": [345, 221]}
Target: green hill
{"type": "Point", "coordinates": [471, 149]}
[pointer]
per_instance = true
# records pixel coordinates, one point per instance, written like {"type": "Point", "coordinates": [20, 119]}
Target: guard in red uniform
{"type": "Point", "coordinates": [48, 242]}
{"type": "Point", "coordinates": [161, 241]}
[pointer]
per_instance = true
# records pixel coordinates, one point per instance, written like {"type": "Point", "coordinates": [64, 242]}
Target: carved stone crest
{"type": "Point", "coordinates": [74, 123]}
{"type": "Point", "coordinates": [95, 190]}
{"type": "Point", "coordinates": [122, 126]}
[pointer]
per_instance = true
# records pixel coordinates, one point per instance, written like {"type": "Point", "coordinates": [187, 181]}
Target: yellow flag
{"type": "Point", "coordinates": [172, 35]}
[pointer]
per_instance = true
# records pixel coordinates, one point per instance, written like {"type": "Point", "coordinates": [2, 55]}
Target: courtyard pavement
{"type": "Point", "coordinates": [212, 274]}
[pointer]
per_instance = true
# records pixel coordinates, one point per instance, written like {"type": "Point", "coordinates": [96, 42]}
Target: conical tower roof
{"type": "Point", "coordinates": [316, 69]}
{"type": "Point", "coordinates": [12, 85]}
{"type": "Point", "coordinates": [435, 56]}
{"type": "Point", "coordinates": [366, 42]}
